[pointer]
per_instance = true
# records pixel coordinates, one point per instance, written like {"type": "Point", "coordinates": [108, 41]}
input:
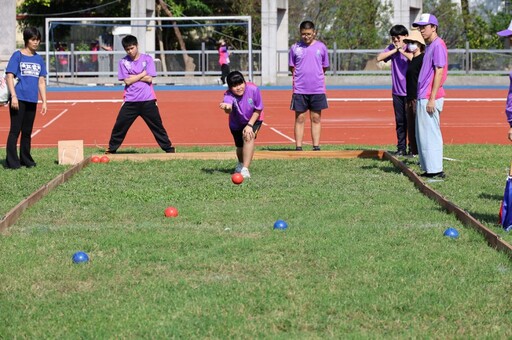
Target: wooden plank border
{"type": "Point", "coordinates": [12, 216]}
{"type": "Point", "coordinates": [493, 239]}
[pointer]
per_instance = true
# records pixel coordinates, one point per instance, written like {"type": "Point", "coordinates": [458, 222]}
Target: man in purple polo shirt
{"type": "Point", "coordinates": [137, 70]}
{"type": "Point", "coordinates": [308, 61]}
{"type": "Point", "coordinates": [431, 94]}
{"type": "Point", "coordinates": [508, 108]}
{"type": "Point", "coordinates": [396, 52]}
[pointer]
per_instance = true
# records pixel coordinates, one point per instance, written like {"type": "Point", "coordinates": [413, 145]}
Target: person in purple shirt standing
{"type": "Point", "coordinates": [137, 70]}
{"type": "Point", "coordinates": [242, 101]}
{"type": "Point", "coordinates": [433, 74]}
{"type": "Point", "coordinates": [308, 61]}
{"type": "Point", "coordinates": [508, 109]}
{"type": "Point", "coordinates": [396, 52]}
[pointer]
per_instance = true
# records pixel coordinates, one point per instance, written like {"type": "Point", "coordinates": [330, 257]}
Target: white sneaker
{"type": "Point", "coordinates": [245, 173]}
{"type": "Point", "coordinates": [239, 167]}
{"type": "Point", "coordinates": [225, 85]}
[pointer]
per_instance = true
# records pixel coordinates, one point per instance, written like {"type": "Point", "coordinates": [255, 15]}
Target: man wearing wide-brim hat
{"type": "Point", "coordinates": [431, 94]}
{"type": "Point", "coordinates": [415, 46]}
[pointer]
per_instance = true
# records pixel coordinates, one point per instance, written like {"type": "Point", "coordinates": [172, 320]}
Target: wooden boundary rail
{"type": "Point", "coordinates": [491, 237]}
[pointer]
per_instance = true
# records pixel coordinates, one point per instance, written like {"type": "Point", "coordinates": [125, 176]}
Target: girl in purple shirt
{"type": "Point", "coordinates": [245, 108]}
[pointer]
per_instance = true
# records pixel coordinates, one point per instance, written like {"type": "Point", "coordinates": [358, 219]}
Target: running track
{"type": "Point", "coordinates": [191, 117]}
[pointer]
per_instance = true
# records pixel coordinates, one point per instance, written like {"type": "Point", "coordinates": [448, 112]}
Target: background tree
{"type": "Point", "coordinates": [34, 12]}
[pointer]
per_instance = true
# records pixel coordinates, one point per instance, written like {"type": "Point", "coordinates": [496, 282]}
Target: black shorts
{"type": "Point", "coordinates": [238, 135]}
{"type": "Point", "coordinates": [303, 102]}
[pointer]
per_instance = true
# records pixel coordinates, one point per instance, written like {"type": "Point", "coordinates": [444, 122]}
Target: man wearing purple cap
{"type": "Point", "coordinates": [431, 94]}
{"type": "Point", "coordinates": [508, 108]}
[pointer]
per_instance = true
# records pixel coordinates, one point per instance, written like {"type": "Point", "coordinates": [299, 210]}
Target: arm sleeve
{"type": "Point", "coordinates": [150, 66]}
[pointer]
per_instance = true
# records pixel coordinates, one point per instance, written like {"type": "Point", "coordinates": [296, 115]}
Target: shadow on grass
{"type": "Point", "coordinates": [211, 171]}
{"type": "Point", "coordinates": [491, 197]}
{"type": "Point", "coordinates": [384, 168]}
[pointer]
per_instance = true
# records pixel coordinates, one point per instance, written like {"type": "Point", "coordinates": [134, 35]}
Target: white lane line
{"type": "Point", "coordinates": [280, 133]}
{"type": "Point", "coordinates": [390, 99]}
{"type": "Point", "coordinates": [75, 101]}
{"type": "Point", "coordinates": [48, 124]}
{"type": "Point", "coordinates": [54, 119]}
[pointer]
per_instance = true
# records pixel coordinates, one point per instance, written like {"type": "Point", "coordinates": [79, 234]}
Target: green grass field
{"type": "Point", "coordinates": [364, 255]}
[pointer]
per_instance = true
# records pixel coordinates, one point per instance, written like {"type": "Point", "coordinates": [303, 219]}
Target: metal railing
{"type": "Point", "coordinates": [76, 64]}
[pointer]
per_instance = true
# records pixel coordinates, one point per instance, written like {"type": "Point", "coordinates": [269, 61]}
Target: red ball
{"type": "Point", "coordinates": [237, 178]}
{"type": "Point", "coordinates": [95, 159]}
{"type": "Point", "coordinates": [104, 159]}
{"type": "Point", "coordinates": [171, 212]}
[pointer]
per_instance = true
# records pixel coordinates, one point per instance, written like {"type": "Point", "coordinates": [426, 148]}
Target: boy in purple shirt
{"type": "Point", "coordinates": [308, 61]}
{"type": "Point", "coordinates": [137, 70]}
{"type": "Point", "coordinates": [508, 109]}
{"type": "Point", "coordinates": [245, 108]}
{"type": "Point", "coordinates": [396, 52]}
{"type": "Point", "coordinates": [433, 73]}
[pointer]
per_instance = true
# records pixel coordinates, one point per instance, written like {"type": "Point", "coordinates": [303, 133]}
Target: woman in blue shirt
{"type": "Point", "coordinates": [29, 70]}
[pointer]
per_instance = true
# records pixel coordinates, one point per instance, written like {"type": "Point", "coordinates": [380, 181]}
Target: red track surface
{"type": "Point", "coordinates": [193, 118]}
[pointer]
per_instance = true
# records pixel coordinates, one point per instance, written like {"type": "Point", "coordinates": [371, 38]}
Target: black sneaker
{"type": "Point", "coordinates": [109, 152]}
{"type": "Point", "coordinates": [316, 148]}
{"type": "Point", "coordinates": [171, 150]}
{"type": "Point", "coordinates": [400, 153]}
{"type": "Point", "coordinates": [298, 148]}
{"type": "Point", "coordinates": [433, 175]}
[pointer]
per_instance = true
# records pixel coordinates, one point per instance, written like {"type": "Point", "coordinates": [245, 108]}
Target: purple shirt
{"type": "Point", "coordinates": [436, 55]}
{"type": "Point", "coordinates": [399, 64]}
{"type": "Point", "coordinates": [139, 91]}
{"type": "Point", "coordinates": [244, 106]}
{"type": "Point", "coordinates": [309, 63]}
{"type": "Point", "coordinates": [508, 108]}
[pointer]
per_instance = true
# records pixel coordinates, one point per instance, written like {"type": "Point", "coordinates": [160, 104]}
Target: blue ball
{"type": "Point", "coordinates": [451, 232]}
{"type": "Point", "coordinates": [80, 257]}
{"type": "Point", "coordinates": [280, 224]}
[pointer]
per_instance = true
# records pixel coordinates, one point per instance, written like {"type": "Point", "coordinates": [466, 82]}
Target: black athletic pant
{"type": "Point", "coordinates": [224, 68]}
{"type": "Point", "coordinates": [22, 121]}
{"type": "Point", "coordinates": [149, 112]}
{"type": "Point", "coordinates": [401, 122]}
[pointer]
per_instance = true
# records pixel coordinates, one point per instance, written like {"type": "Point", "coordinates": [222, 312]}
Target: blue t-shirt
{"type": "Point", "coordinates": [28, 70]}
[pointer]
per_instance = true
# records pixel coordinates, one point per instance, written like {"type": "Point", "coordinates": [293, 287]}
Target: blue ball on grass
{"type": "Point", "coordinates": [280, 224]}
{"type": "Point", "coordinates": [451, 233]}
{"type": "Point", "coordinates": [80, 257]}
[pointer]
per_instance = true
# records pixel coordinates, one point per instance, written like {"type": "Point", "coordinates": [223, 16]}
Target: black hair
{"type": "Point", "coordinates": [307, 25]}
{"type": "Point", "coordinates": [30, 33]}
{"type": "Point", "coordinates": [235, 78]}
{"type": "Point", "coordinates": [129, 40]}
{"type": "Point", "coordinates": [398, 30]}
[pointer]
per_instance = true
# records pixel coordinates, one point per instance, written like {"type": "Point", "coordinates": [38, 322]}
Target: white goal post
{"type": "Point", "coordinates": [145, 21]}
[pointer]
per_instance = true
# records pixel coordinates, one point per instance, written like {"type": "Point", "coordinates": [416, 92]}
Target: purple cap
{"type": "Point", "coordinates": [507, 32]}
{"type": "Point", "coordinates": [426, 19]}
